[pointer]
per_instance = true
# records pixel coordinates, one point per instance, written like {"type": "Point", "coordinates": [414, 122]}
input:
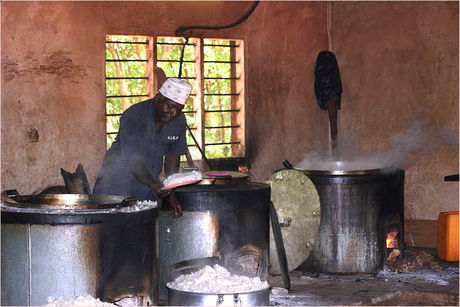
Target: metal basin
{"type": "Point", "coordinates": [183, 298]}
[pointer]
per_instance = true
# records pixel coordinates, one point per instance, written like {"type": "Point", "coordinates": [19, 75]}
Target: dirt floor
{"type": "Point", "coordinates": [385, 288]}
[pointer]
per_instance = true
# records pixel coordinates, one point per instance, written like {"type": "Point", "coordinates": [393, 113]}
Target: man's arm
{"type": "Point", "coordinates": [171, 164]}
{"type": "Point", "coordinates": [143, 175]}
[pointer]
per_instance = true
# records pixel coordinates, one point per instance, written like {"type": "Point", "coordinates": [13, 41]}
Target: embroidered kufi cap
{"type": "Point", "coordinates": [176, 89]}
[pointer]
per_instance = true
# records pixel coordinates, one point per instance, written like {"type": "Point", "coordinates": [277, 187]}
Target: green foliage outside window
{"type": "Point", "coordinates": [124, 87]}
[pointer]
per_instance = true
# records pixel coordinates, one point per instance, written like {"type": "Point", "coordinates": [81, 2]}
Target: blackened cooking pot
{"type": "Point", "coordinates": [357, 207]}
{"type": "Point", "coordinates": [228, 221]}
{"type": "Point", "coordinates": [72, 244]}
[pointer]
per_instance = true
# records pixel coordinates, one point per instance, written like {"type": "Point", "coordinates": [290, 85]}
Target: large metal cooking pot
{"type": "Point", "coordinates": [230, 221]}
{"type": "Point", "coordinates": [356, 206]}
{"type": "Point", "coordinates": [67, 245]}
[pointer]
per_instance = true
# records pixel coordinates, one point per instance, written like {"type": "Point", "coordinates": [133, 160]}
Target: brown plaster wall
{"type": "Point", "coordinates": [399, 68]}
{"type": "Point", "coordinates": [394, 57]}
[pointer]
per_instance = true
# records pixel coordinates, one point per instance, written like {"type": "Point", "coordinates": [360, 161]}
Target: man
{"type": "Point", "coordinates": [149, 131]}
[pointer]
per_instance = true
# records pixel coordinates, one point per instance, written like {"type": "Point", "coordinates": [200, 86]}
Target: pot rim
{"type": "Point", "coordinates": [339, 172]}
{"type": "Point", "coordinates": [67, 201]}
{"type": "Point", "coordinates": [221, 293]}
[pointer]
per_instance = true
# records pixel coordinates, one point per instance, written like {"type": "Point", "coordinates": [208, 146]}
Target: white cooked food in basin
{"type": "Point", "coordinates": [217, 280]}
{"type": "Point", "coordinates": [182, 177]}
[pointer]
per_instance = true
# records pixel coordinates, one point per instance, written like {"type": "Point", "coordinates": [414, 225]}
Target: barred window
{"type": "Point", "coordinates": [214, 68]}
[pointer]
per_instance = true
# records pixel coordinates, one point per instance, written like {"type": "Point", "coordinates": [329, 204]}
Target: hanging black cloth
{"type": "Point", "coordinates": [327, 80]}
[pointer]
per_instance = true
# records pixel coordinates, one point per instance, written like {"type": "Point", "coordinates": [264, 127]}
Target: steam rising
{"type": "Point", "coordinates": [420, 138]}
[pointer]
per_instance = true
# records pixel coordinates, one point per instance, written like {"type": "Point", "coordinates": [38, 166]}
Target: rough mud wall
{"type": "Point", "coordinates": [284, 119]}
{"type": "Point", "coordinates": [399, 68]}
{"type": "Point", "coordinates": [53, 92]}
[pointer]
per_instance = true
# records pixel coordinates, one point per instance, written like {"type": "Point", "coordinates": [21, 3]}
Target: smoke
{"type": "Point", "coordinates": [419, 139]}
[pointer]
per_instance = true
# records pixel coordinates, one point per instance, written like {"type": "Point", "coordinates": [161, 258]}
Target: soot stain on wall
{"type": "Point", "coordinates": [58, 63]}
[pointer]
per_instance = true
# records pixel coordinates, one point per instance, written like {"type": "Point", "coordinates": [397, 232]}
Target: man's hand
{"type": "Point", "coordinates": [161, 193]}
{"type": "Point", "coordinates": [176, 205]}
{"type": "Point", "coordinates": [143, 175]}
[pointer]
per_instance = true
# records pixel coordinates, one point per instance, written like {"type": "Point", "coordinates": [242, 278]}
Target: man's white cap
{"type": "Point", "coordinates": [176, 90]}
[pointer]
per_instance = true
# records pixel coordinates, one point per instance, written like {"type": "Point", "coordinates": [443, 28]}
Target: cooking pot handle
{"type": "Point", "coordinates": [127, 202]}
{"type": "Point", "coordinates": [229, 178]}
{"type": "Point", "coordinates": [220, 299]}
{"type": "Point", "coordinates": [287, 164]}
{"type": "Point", "coordinates": [11, 193]}
{"type": "Point", "coordinates": [236, 300]}
{"type": "Point", "coordinates": [7, 194]}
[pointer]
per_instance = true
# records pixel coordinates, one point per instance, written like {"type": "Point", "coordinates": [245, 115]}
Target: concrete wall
{"type": "Point", "coordinates": [398, 62]}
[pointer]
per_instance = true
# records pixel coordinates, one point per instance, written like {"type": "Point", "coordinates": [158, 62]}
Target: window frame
{"type": "Point", "coordinates": [237, 95]}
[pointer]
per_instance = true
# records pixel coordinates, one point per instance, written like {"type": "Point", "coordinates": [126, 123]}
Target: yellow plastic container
{"type": "Point", "coordinates": [448, 232]}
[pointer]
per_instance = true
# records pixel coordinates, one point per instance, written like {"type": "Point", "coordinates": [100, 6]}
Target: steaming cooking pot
{"type": "Point", "coordinates": [358, 202]}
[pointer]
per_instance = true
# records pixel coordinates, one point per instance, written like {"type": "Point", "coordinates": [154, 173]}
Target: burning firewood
{"type": "Point", "coordinates": [420, 260]}
{"type": "Point", "coordinates": [395, 253]}
{"type": "Point", "coordinates": [246, 261]}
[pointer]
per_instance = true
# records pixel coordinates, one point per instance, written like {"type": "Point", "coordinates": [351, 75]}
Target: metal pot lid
{"type": "Point", "coordinates": [298, 207]}
{"type": "Point", "coordinates": [340, 168]}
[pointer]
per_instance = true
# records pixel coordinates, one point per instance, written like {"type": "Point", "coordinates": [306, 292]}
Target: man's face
{"type": "Point", "coordinates": [166, 110]}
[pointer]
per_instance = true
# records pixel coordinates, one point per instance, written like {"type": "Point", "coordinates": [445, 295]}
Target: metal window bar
{"type": "Point", "coordinates": [221, 78]}
{"type": "Point", "coordinates": [227, 143]}
{"type": "Point", "coordinates": [184, 61]}
{"type": "Point", "coordinates": [217, 45]}
{"type": "Point", "coordinates": [221, 111]}
{"type": "Point", "coordinates": [222, 62]}
{"type": "Point", "coordinates": [191, 44]}
{"type": "Point", "coordinates": [126, 96]}
{"type": "Point", "coordinates": [175, 61]}
{"type": "Point", "coordinates": [221, 127]}
{"type": "Point", "coordinates": [176, 44]}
